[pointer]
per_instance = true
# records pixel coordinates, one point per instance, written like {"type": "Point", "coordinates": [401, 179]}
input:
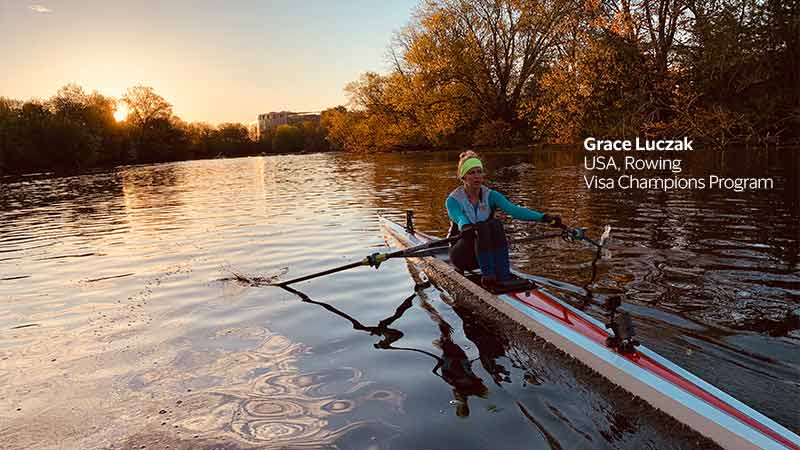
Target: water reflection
{"type": "Point", "coordinates": [490, 343]}
{"type": "Point", "coordinates": [112, 309]}
{"type": "Point", "coordinates": [388, 335]}
{"type": "Point", "coordinates": [453, 366]}
{"type": "Point", "coordinates": [153, 196]}
{"type": "Point", "coordinates": [675, 251]}
{"type": "Point", "coordinates": [260, 397]}
{"type": "Point", "coordinates": [535, 366]}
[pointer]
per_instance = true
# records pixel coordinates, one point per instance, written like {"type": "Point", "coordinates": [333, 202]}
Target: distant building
{"type": "Point", "coordinates": [271, 120]}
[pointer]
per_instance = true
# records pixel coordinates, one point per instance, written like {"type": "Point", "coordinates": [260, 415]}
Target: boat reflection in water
{"type": "Point", "coordinates": [453, 365]}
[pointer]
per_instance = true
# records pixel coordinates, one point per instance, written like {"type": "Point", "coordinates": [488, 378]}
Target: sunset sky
{"type": "Point", "coordinates": [214, 61]}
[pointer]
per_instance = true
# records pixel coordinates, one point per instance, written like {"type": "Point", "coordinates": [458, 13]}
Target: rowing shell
{"type": "Point", "coordinates": [644, 373]}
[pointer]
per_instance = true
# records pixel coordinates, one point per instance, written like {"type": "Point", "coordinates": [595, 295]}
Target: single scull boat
{"type": "Point", "coordinates": [639, 370]}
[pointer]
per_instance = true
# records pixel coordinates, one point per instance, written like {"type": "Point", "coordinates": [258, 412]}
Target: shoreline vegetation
{"type": "Point", "coordinates": [482, 73]}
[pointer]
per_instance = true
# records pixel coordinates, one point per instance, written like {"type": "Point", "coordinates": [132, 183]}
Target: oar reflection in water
{"type": "Point", "coordinates": [453, 366]}
{"type": "Point", "coordinates": [389, 335]}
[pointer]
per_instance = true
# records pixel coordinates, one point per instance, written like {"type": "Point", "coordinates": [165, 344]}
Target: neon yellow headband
{"type": "Point", "coordinates": [469, 164]}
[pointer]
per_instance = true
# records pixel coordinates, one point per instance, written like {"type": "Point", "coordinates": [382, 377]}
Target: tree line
{"type": "Point", "coordinates": [504, 72]}
{"type": "Point", "coordinates": [485, 73]}
{"type": "Point", "coordinates": [75, 130]}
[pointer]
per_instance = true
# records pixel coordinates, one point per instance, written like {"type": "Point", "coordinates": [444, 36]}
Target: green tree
{"type": "Point", "coordinates": [287, 138]}
{"type": "Point", "coordinates": [231, 139]}
{"type": "Point", "coordinates": [75, 130]}
{"type": "Point", "coordinates": [313, 136]}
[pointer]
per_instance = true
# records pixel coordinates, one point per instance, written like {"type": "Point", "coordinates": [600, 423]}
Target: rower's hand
{"type": "Point", "coordinates": [553, 220]}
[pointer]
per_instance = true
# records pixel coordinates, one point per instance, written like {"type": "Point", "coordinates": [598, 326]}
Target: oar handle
{"type": "Point", "coordinates": [375, 259]}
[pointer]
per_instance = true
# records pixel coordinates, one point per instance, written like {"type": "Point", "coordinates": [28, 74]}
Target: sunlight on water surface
{"type": "Point", "coordinates": [122, 323]}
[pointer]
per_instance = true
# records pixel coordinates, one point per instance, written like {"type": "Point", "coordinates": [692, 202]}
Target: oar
{"type": "Point", "coordinates": [375, 259]}
{"type": "Point", "coordinates": [623, 331]}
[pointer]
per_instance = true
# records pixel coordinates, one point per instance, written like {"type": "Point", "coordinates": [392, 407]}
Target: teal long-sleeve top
{"type": "Point", "coordinates": [496, 201]}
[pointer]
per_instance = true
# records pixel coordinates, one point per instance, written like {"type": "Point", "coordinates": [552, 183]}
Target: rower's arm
{"type": "Point", "coordinates": [518, 212]}
{"type": "Point", "coordinates": [456, 213]}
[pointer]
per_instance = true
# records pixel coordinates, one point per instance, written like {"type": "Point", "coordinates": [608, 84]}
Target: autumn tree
{"type": "Point", "coordinates": [491, 48]}
{"type": "Point", "coordinates": [337, 122]}
{"type": "Point", "coordinates": [391, 121]}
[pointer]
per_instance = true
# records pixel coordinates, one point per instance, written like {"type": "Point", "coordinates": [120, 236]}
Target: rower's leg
{"type": "Point", "coordinates": [462, 253]}
{"type": "Point", "coordinates": [484, 249]}
{"type": "Point", "coordinates": [502, 267]}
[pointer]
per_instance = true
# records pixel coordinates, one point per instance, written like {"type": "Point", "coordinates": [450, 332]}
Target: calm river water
{"type": "Point", "coordinates": [122, 324]}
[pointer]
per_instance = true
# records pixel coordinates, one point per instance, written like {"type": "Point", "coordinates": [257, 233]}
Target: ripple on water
{"type": "Point", "coordinates": [120, 271]}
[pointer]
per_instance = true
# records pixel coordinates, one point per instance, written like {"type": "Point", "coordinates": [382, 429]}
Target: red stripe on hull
{"type": "Point", "coordinates": [559, 312]}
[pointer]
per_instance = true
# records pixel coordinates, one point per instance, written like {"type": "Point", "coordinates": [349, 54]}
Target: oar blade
{"type": "Point", "coordinates": [606, 235]}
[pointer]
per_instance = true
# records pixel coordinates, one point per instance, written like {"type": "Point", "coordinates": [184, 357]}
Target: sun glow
{"type": "Point", "coordinates": [121, 113]}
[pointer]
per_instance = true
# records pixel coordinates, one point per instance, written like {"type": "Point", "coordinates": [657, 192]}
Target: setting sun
{"type": "Point", "coordinates": [121, 113]}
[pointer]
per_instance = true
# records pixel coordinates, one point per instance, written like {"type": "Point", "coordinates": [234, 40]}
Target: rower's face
{"type": "Point", "coordinates": [474, 178]}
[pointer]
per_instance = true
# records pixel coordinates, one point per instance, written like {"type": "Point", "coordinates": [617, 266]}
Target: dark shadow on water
{"type": "Point", "coordinates": [453, 366]}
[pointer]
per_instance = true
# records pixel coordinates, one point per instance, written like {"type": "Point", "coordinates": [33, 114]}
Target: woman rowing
{"type": "Point", "coordinates": [471, 209]}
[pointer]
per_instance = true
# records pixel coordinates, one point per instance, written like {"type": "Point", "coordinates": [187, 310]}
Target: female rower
{"type": "Point", "coordinates": [471, 209]}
